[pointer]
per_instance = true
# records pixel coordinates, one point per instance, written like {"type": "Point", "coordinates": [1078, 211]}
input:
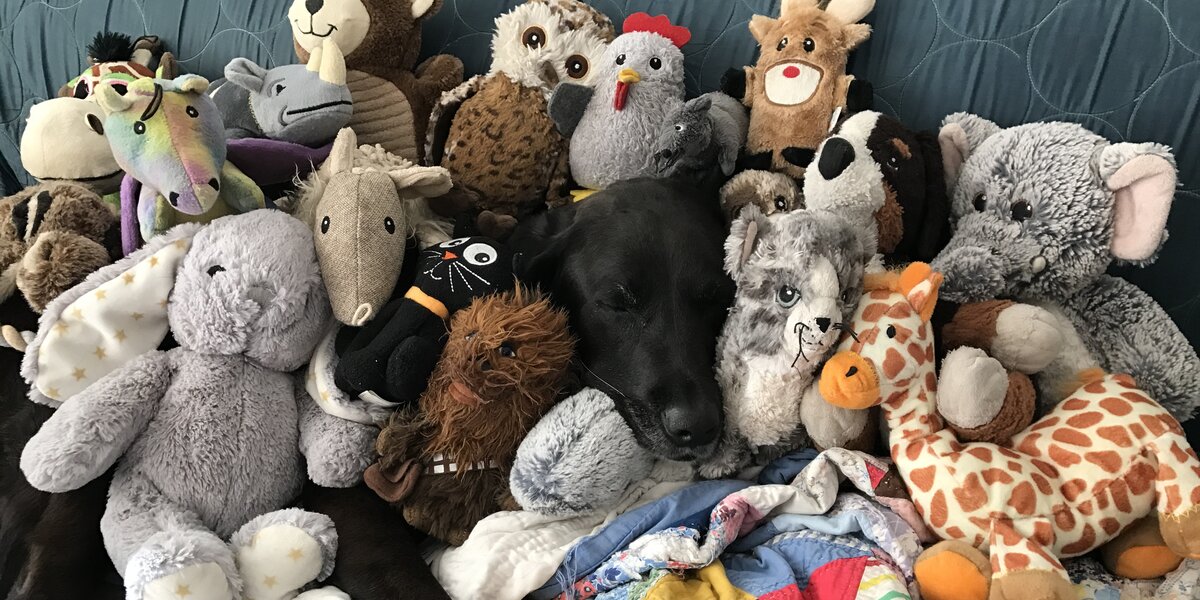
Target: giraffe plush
{"type": "Point", "coordinates": [1103, 459]}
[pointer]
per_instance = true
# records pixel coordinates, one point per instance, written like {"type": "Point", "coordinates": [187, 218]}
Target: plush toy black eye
{"type": "Point", "coordinates": [893, 162]}
{"type": "Point", "coordinates": [679, 127]}
{"type": "Point", "coordinates": [388, 224]}
{"type": "Point", "coordinates": [213, 270]}
{"type": "Point", "coordinates": [621, 59]}
{"type": "Point", "coordinates": [809, 45]}
{"type": "Point", "coordinates": [279, 87]}
{"type": "Point", "coordinates": [95, 124]}
{"type": "Point", "coordinates": [507, 350]}
{"type": "Point", "coordinates": [325, 225]}
{"type": "Point", "coordinates": [787, 296]}
{"type": "Point", "coordinates": [846, 296]}
{"type": "Point", "coordinates": [534, 37]}
{"type": "Point", "coordinates": [781, 45]}
{"type": "Point", "coordinates": [1021, 211]}
{"type": "Point", "coordinates": [81, 90]}
{"type": "Point", "coordinates": [891, 331]}
{"type": "Point", "coordinates": [656, 63]}
{"type": "Point", "coordinates": [139, 128]}
{"type": "Point", "coordinates": [577, 66]}
{"type": "Point", "coordinates": [980, 202]}
{"type": "Point", "coordinates": [119, 88]}
{"type": "Point", "coordinates": [780, 203]}
{"type": "Point", "coordinates": [192, 112]}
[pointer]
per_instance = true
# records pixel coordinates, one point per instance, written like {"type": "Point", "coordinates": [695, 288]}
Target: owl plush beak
{"type": "Point", "coordinates": [625, 78]}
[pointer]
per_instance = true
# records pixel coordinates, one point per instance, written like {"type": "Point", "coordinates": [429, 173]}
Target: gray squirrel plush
{"type": "Point", "coordinates": [304, 104]}
{"type": "Point", "coordinates": [206, 437]}
{"type": "Point", "coordinates": [1039, 212]}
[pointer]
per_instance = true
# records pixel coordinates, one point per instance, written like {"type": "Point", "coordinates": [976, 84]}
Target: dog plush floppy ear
{"type": "Point", "coordinates": [1142, 179]}
{"type": "Point", "coordinates": [960, 135]}
{"type": "Point", "coordinates": [935, 227]}
{"type": "Point", "coordinates": [743, 238]}
{"type": "Point", "coordinates": [117, 314]}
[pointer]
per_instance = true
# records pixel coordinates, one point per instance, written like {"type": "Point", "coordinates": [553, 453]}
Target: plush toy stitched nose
{"type": "Point", "coordinates": [849, 381]}
{"type": "Point", "coordinates": [835, 157]}
{"type": "Point", "coordinates": [313, 6]}
{"type": "Point", "coordinates": [823, 323]}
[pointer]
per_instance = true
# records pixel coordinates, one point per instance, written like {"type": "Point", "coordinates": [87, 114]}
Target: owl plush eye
{"type": "Point", "coordinates": [577, 66]}
{"type": "Point", "coordinates": [480, 254]}
{"type": "Point", "coordinates": [534, 37]}
{"type": "Point", "coordinates": [453, 243]}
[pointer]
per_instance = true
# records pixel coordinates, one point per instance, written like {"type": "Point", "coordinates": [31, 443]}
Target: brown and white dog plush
{"type": "Point", "coordinates": [447, 464]}
{"type": "Point", "coordinates": [799, 82]}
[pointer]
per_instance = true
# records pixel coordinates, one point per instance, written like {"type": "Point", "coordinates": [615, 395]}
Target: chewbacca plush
{"type": "Point", "coordinates": [446, 464]}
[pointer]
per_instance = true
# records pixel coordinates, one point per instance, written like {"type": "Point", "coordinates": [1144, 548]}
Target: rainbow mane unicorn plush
{"type": "Point", "coordinates": [168, 137]}
{"type": "Point", "coordinates": [1083, 475]}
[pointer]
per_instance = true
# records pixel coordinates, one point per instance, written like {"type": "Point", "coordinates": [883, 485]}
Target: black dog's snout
{"type": "Point", "coordinates": [835, 157]}
{"type": "Point", "coordinates": [823, 323]}
{"type": "Point", "coordinates": [313, 6]}
{"type": "Point", "coordinates": [689, 427]}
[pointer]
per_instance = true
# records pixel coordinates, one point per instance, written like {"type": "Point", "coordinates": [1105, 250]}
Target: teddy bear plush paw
{"type": "Point", "coordinates": [325, 593]}
{"type": "Point", "coordinates": [279, 553]}
{"type": "Point", "coordinates": [203, 581]}
{"type": "Point", "coordinates": [190, 564]}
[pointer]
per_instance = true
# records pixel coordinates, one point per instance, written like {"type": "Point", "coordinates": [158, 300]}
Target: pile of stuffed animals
{"type": "Point", "coordinates": [300, 273]}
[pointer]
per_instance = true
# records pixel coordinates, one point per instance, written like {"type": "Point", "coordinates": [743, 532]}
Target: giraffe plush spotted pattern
{"type": "Point", "coordinates": [1103, 459]}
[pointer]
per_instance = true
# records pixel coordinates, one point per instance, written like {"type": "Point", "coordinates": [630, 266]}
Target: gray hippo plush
{"type": "Point", "coordinates": [303, 104]}
{"type": "Point", "coordinates": [206, 437]}
{"type": "Point", "coordinates": [1039, 213]}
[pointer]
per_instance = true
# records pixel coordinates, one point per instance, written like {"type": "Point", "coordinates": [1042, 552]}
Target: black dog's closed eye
{"type": "Point", "coordinates": [619, 299]}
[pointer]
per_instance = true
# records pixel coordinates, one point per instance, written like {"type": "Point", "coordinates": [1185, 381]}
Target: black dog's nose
{"type": "Point", "coordinates": [313, 6]}
{"type": "Point", "coordinates": [835, 157]}
{"type": "Point", "coordinates": [689, 427]}
{"type": "Point", "coordinates": [823, 324]}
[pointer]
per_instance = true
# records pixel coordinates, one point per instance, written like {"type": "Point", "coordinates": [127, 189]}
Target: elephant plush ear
{"type": "Point", "coordinates": [744, 233]}
{"type": "Point", "coordinates": [1142, 178]}
{"type": "Point", "coordinates": [115, 315]}
{"type": "Point", "coordinates": [960, 136]}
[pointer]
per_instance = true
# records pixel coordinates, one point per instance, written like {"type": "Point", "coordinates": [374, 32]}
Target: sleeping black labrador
{"type": "Point", "coordinates": [639, 268]}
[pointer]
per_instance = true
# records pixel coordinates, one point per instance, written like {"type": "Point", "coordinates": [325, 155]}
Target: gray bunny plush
{"type": "Point", "coordinates": [1039, 213]}
{"type": "Point", "coordinates": [206, 437]}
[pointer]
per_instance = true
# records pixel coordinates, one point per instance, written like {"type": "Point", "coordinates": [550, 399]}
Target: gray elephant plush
{"type": "Point", "coordinates": [206, 437]}
{"type": "Point", "coordinates": [1039, 213]}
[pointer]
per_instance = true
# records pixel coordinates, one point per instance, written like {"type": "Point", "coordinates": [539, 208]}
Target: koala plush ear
{"type": "Point", "coordinates": [115, 315]}
{"type": "Point", "coordinates": [960, 135]}
{"type": "Point", "coordinates": [743, 238]}
{"type": "Point", "coordinates": [1142, 178]}
{"type": "Point", "coordinates": [245, 74]}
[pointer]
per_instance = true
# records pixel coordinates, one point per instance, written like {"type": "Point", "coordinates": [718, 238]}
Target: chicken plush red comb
{"type": "Point", "coordinates": [660, 24]}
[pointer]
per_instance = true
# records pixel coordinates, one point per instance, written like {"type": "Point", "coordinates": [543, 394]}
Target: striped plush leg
{"type": "Point", "coordinates": [1023, 569]}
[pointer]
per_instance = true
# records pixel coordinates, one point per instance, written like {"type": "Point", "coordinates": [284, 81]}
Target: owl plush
{"type": "Point", "coordinates": [493, 132]}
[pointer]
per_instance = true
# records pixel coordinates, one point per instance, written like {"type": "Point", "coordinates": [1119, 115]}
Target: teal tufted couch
{"type": "Point", "coordinates": [1128, 69]}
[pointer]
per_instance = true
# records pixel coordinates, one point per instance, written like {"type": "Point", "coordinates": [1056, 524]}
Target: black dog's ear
{"type": "Point", "coordinates": [935, 227]}
{"type": "Point", "coordinates": [539, 243]}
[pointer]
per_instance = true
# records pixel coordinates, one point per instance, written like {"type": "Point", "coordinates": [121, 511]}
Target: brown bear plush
{"type": "Point", "coordinates": [799, 82]}
{"type": "Point", "coordinates": [52, 236]}
{"type": "Point", "coordinates": [446, 464]}
{"type": "Point", "coordinates": [381, 40]}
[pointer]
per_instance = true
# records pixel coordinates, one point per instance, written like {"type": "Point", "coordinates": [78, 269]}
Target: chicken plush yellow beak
{"type": "Point", "coordinates": [625, 78]}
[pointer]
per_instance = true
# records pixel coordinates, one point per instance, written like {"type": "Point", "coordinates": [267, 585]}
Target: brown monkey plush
{"type": "Point", "coordinates": [446, 463]}
{"type": "Point", "coordinates": [52, 236]}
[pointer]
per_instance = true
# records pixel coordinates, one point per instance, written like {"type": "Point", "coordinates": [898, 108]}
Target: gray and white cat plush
{"type": "Point", "coordinates": [799, 277]}
{"type": "Point", "coordinates": [303, 104]}
{"type": "Point", "coordinates": [206, 437]}
{"type": "Point", "coordinates": [705, 133]}
{"type": "Point", "coordinates": [1039, 213]}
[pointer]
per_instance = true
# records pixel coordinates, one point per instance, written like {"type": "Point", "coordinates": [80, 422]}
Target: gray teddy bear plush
{"type": "Point", "coordinates": [1039, 212]}
{"type": "Point", "coordinates": [206, 437]}
{"type": "Point", "coordinates": [799, 277]}
{"type": "Point", "coordinates": [303, 104]}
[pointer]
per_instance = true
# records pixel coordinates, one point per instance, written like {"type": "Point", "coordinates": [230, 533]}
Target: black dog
{"type": "Point", "coordinates": [639, 268]}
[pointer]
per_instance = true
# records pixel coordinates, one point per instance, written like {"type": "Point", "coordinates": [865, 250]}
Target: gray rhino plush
{"type": "Point", "coordinates": [206, 437]}
{"type": "Point", "coordinates": [1039, 213]}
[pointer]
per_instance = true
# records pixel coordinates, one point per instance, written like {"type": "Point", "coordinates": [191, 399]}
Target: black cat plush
{"type": "Point", "coordinates": [394, 354]}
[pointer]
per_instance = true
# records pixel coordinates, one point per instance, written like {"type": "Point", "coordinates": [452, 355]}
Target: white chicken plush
{"type": "Point", "coordinates": [638, 85]}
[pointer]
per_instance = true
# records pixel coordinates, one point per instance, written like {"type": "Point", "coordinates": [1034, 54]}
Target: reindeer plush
{"type": "Point", "coordinates": [1085, 474]}
{"type": "Point", "coordinates": [800, 80]}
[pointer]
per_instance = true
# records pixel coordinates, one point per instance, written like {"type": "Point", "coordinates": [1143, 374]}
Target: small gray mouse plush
{"type": "Point", "coordinates": [705, 133]}
{"type": "Point", "coordinates": [303, 104]}
{"type": "Point", "coordinates": [1039, 213]}
{"type": "Point", "coordinates": [206, 437]}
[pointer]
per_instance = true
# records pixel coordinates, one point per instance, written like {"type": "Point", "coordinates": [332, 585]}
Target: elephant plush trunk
{"type": "Point", "coordinates": [972, 273]}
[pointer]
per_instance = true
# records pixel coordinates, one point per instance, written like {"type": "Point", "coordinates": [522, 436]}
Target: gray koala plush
{"type": "Point", "coordinates": [799, 277]}
{"type": "Point", "coordinates": [303, 104]}
{"type": "Point", "coordinates": [206, 437]}
{"type": "Point", "coordinates": [1039, 213]}
{"type": "Point", "coordinates": [704, 133]}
